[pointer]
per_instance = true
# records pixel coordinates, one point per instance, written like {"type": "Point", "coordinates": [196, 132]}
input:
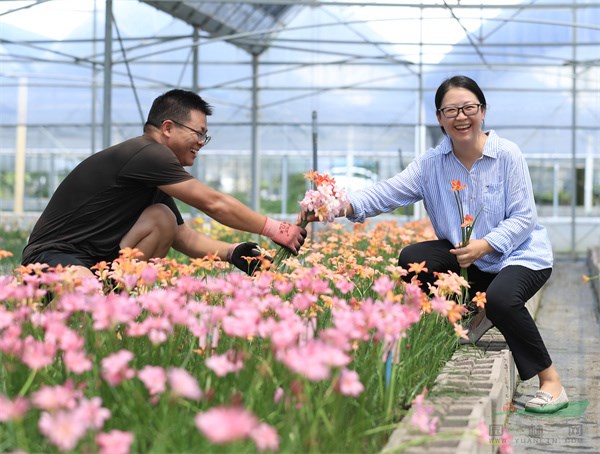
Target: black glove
{"type": "Point", "coordinates": [237, 256]}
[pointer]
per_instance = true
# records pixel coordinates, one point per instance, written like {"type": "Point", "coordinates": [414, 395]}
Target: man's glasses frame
{"type": "Point", "coordinates": [468, 109]}
{"type": "Point", "coordinates": [202, 137]}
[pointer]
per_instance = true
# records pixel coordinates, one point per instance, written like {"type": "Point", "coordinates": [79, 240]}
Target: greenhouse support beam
{"type": "Point", "coordinates": [107, 104]}
{"type": "Point", "coordinates": [574, 139]}
{"type": "Point", "coordinates": [19, 189]}
{"type": "Point", "coordinates": [588, 182]}
{"type": "Point", "coordinates": [196, 89]}
{"type": "Point", "coordinates": [387, 4]}
{"type": "Point", "coordinates": [255, 167]}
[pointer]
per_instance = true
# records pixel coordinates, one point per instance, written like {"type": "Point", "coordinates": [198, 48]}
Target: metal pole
{"type": "Point", "coordinates": [284, 185]}
{"type": "Point", "coordinates": [107, 117]}
{"type": "Point", "coordinates": [94, 79]}
{"type": "Point", "coordinates": [315, 142]}
{"type": "Point", "coordinates": [254, 161]}
{"type": "Point", "coordinates": [195, 60]}
{"type": "Point", "coordinates": [574, 136]}
{"type": "Point", "coordinates": [20, 145]}
{"type": "Point", "coordinates": [588, 191]}
{"type": "Point", "coordinates": [555, 190]}
{"type": "Point", "coordinates": [195, 89]}
{"type": "Point", "coordinates": [420, 130]}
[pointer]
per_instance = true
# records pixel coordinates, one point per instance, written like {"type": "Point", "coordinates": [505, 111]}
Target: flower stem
{"type": "Point", "coordinates": [28, 383]}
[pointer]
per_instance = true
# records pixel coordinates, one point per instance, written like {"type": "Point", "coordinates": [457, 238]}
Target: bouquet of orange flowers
{"type": "Point", "coordinates": [467, 223]}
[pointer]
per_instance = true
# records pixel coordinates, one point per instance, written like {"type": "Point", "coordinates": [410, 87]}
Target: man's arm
{"type": "Point", "coordinates": [231, 212]}
{"type": "Point", "coordinates": [221, 207]}
{"type": "Point", "coordinates": [195, 244]}
{"type": "Point", "coordinates": [245, 256]}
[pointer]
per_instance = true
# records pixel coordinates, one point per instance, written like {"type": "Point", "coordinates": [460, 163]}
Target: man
{"type": "Point", "coordinates": [123, 197]}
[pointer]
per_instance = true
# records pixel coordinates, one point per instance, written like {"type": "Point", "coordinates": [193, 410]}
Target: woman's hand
{"type": "Point", "coordinates": [473, 251]}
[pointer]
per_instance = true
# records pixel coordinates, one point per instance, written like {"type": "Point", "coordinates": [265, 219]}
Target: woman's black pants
{"type": "Point", "coordinates": [506, 294]}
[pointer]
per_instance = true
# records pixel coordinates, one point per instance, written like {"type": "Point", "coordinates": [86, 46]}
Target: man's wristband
{"type": "Point", "coordinates": [230, 251]}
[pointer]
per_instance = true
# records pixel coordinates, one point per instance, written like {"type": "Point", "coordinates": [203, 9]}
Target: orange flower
{"type": "Point", "coordinates": [468, 221]}
{"type": "Point", "coordinates": [317, 178]}
{"type": "Point", "coordinates": [417, 267]}
{"type": "Point", "coordinates": [130, 253]}
{"type": "Point", "coordinates": [4, 254]}
{"type": "Point", "coordinates": [101, 266]}
{"type": "Point", "coordinates": [456, 312]}
{"type": "Point", "coordinates": [456, 186]}
{"type": "Point", "coordinates": [480, 299]}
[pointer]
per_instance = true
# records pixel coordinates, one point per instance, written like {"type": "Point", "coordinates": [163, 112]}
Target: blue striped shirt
{"type": "Point", "coordinates": [498, 188]}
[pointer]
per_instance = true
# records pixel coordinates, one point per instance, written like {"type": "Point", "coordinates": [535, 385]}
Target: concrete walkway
{"type": "Point", "coordinates": [480, 381]}
{"type": "Point", "coordinates": [568, 319]}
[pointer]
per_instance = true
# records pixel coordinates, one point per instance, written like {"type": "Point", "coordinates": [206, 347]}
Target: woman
{"type": "Point", "coordinates": [509, 255]}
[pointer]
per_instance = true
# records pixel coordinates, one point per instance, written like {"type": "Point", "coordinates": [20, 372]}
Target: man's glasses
{"type": "Point", "coordinates": [468, 109]}
{"type": "Point", "coordinates": [202, 137]}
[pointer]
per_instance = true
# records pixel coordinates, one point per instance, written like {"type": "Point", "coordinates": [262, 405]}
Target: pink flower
{"type": "Point", "coordinates": [441, 305]}
{"type": "Point", "coordinates": [149, 275]}
{"type": "Point", "coordinates": [460, 331]}
{"type": "Point", "coordinates": [6, 317]}
{"type": "Point", "coordinates": [482, 432]}
{"type": "Point", "coordinates": [314, 360]}
{"type": "Point", "coordinates": [11, 410]}
{"type": "Point", "coordinates": [64, 429]}
{"type": "Point", "coordinates": [286, 332]}
{"type": "Point", "coordinates": [154, 378]}
{"type": "Point", "coordinates": [52, 398]}
{"type": "Point", "coordinates": [77, 362]}
{"type": "Point", "coordinates": [113, 309]}
{"type": "Point", "coordinates": [283, 287]}
{"type": "Point", "coordinates": [92, 413]}
{"type": "Point", "coordinates": [226, 424]}
{"type": "Point", "coordinates": [183, 384]}
{"type": "Point", "coordinates": [115, 368]}
{"type": "Point", "coordinates": [303, 301]}
{"type": "Point", "coordinates": [265, 437]}
{"type": "Point", "coordinates": [505, 443]}
{"type": "Point", "coordinates": [349, 383]}
{"type": "Point", "coordinates": [36, 354]}
{"type": "Point", "coordinates": [383, 285]}
{"type": "Point", "coordinates": [114, 442]}
{"type": "Point", "coordinates": [421, 418]}
{"type": "Point", "coordinates": [344, 286]}
{"type": "Point", "coordinates": [278, 395]}
{"type": "Point", "coordinates": [225, 363]}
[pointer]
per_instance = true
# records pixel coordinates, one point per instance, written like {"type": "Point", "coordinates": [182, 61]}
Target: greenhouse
{"type": "Point", "coordinates": [299, 226]}
{"type": "Point", "coordinates": [300, 85]}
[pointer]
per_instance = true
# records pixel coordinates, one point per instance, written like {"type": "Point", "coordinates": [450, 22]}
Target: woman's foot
{"type": "Point", "coordinates": [551, 396]}
{"type": "Point", "coordinates": [550, 381]}
{"type": "Point", "coordinates": [544, 402]}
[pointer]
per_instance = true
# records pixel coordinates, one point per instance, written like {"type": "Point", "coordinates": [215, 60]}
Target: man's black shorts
{"type": "Point", "coordinates": [53, 258]}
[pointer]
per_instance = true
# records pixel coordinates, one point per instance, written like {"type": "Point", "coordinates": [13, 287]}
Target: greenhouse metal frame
{"type": "Point", "coordinates": [304, 84]}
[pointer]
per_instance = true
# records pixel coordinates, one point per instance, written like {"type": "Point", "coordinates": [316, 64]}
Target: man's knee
{"type": "Point", "coordinates": [161, 218]}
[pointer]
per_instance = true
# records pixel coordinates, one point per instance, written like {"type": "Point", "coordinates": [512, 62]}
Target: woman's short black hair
{"type": "Point", "coordinates": [458, 82]}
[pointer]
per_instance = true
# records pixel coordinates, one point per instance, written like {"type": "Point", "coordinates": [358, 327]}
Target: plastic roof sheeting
{"type": "Point", "coordinates": [225, 19]}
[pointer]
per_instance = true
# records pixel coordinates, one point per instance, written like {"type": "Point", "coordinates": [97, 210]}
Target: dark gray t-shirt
{"type": "Point", "coordinates": [101, 199]}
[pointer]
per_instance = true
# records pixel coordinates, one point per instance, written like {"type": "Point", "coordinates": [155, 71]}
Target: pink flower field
{"type": "Point", "coordinates": [174, 356]}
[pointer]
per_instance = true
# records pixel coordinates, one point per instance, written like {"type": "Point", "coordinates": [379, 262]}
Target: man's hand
{"type": "Point", "coordinates": [247, 257]}
{"type": "Point", "coordinates": [285, 234]}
